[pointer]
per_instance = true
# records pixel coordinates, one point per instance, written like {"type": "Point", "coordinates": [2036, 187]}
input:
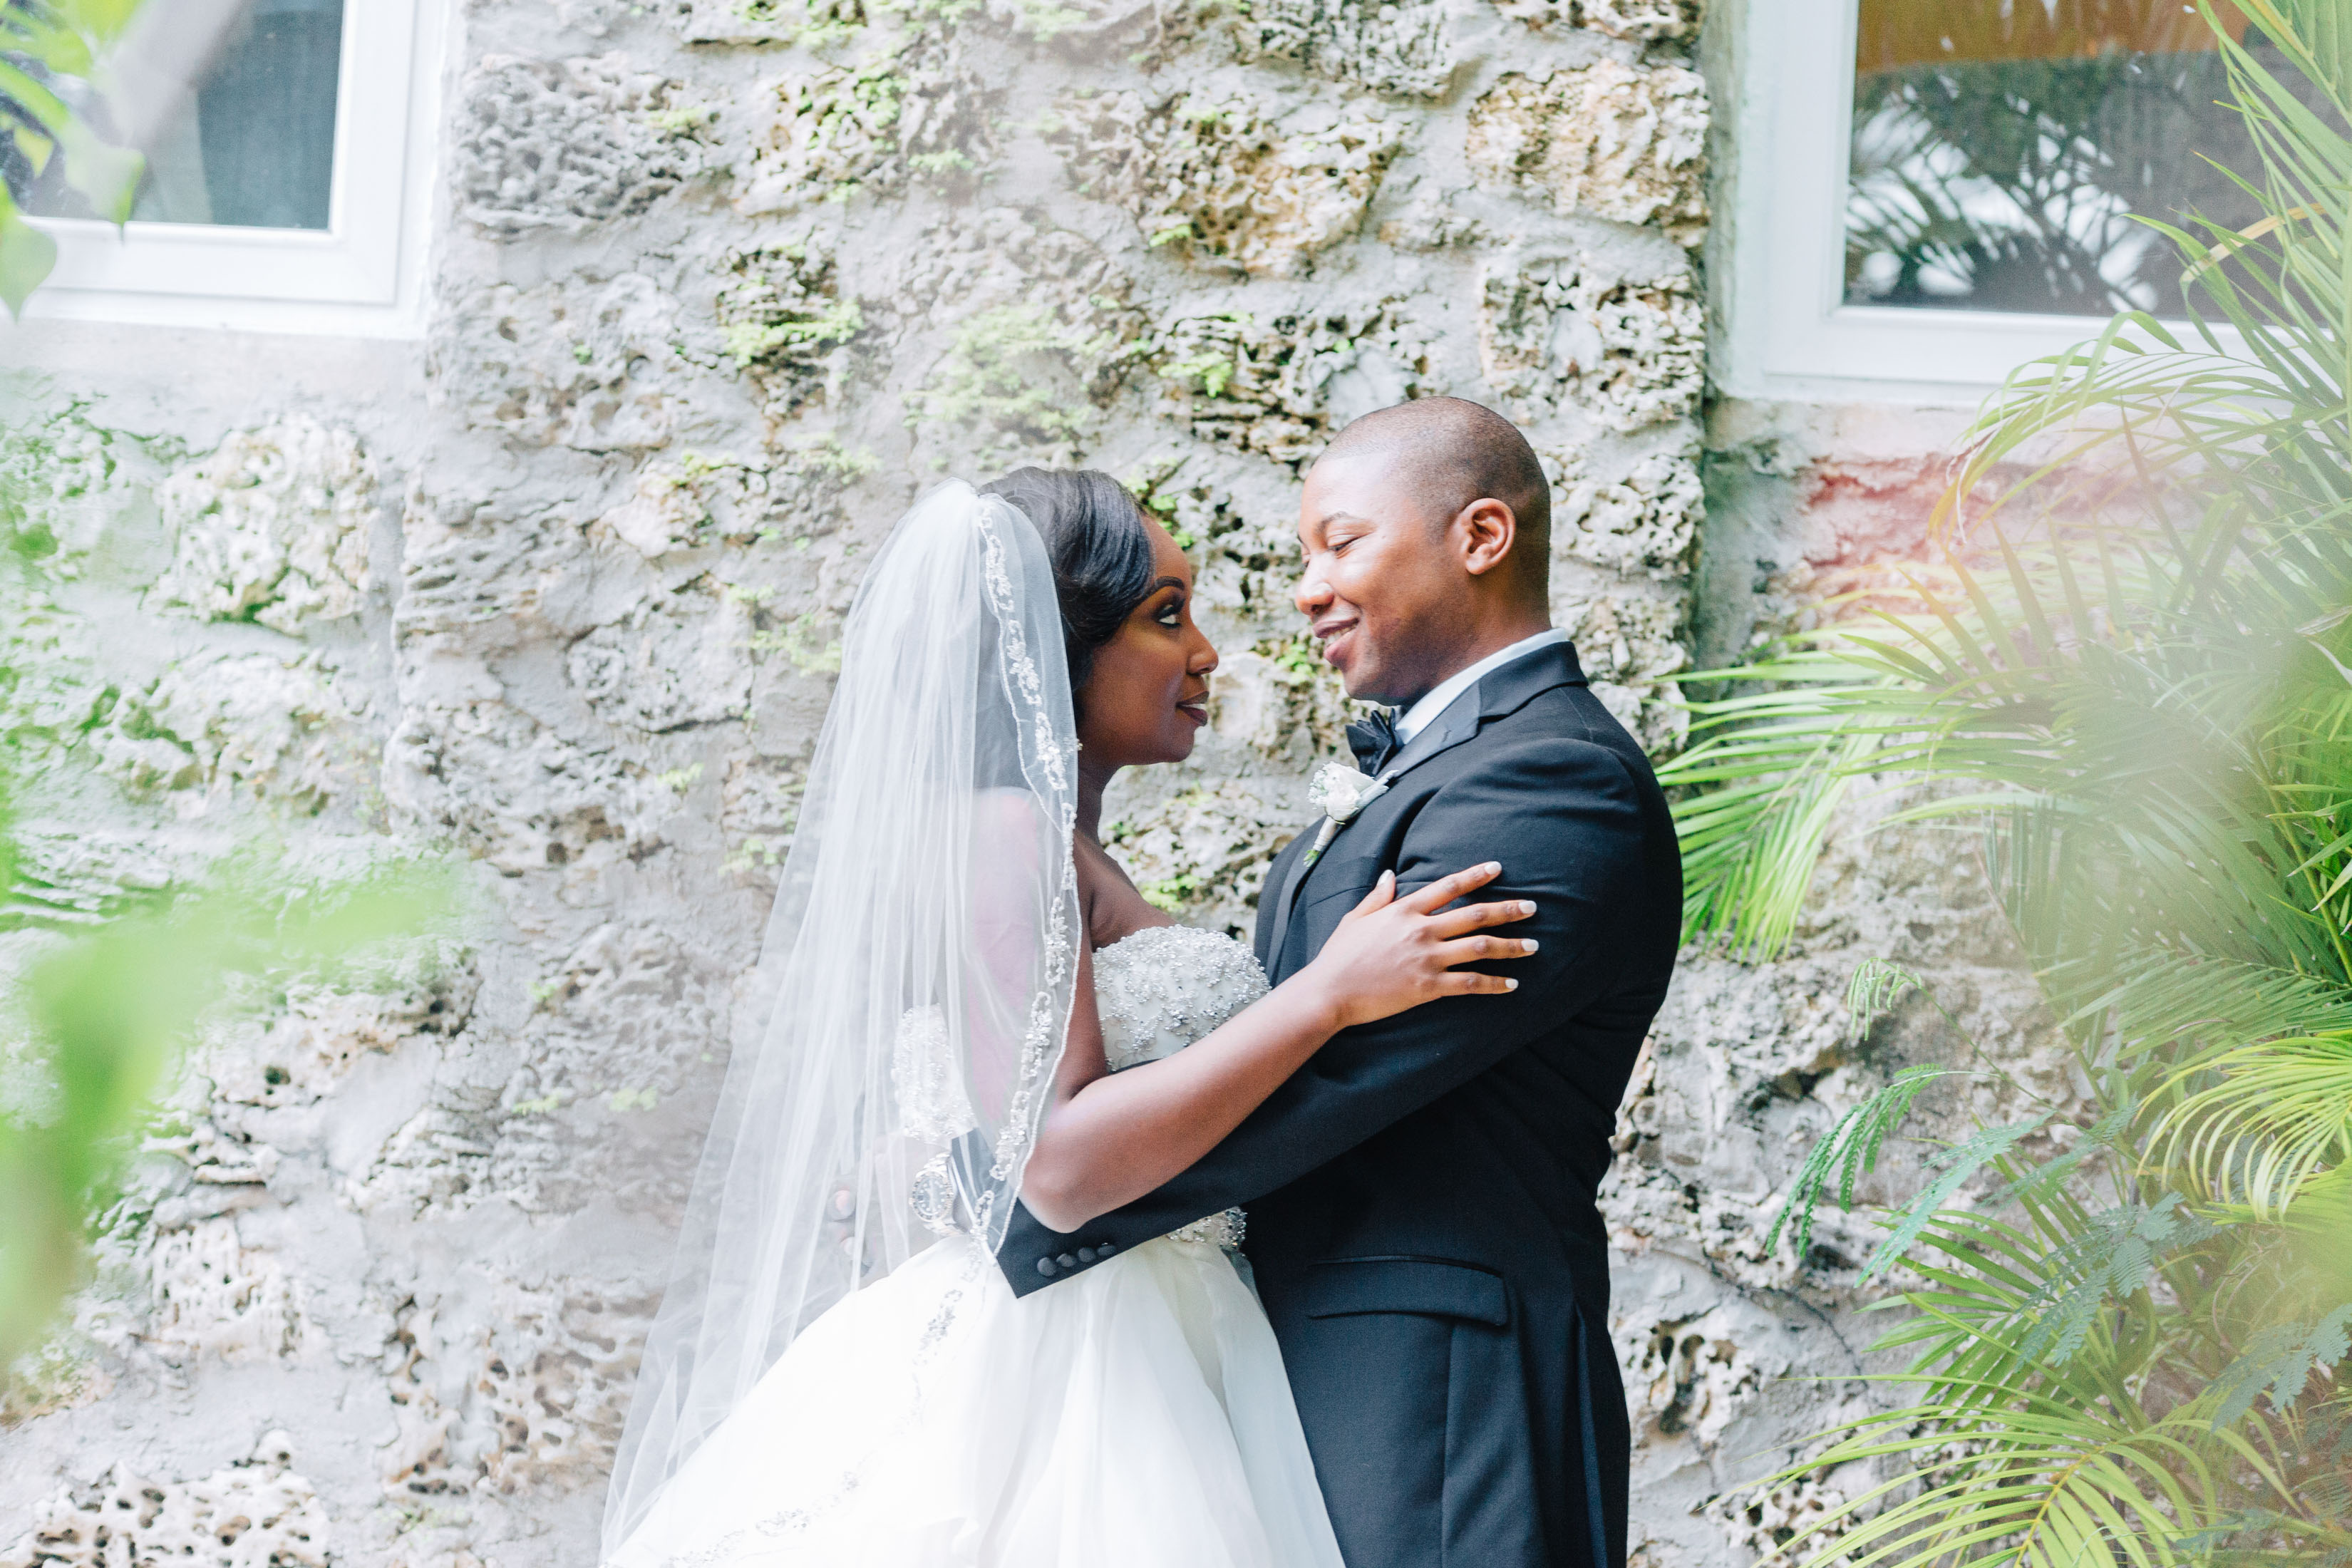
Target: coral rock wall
{"type": "Point", "coordinates": [716, 286]}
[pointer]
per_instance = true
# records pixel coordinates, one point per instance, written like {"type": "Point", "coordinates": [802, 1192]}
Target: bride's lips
{"type": "Point", "coordinates": [1196, 709]}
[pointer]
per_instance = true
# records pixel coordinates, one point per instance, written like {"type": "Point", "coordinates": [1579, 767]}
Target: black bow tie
{"type": "Point", "coordinates": [1374, 739]}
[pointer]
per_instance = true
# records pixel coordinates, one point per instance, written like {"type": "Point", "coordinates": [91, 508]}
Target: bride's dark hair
{"type": "Point", "coordinates": [1100, 552]}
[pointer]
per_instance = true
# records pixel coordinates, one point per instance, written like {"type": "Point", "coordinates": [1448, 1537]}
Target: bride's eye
{"type": "Point", "coordinates": [1170, 615]}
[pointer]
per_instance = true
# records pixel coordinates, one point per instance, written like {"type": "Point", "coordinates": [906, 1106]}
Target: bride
{"type": "Point", "coordinates": [972, 1005]}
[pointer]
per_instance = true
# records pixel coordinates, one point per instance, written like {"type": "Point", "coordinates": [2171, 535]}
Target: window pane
{"type": "Point", "coordinates": [2001, 149]}
{"type": "Point", "coordinates": [256, 147]}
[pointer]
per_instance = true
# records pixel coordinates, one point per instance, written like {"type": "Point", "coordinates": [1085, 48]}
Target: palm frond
{"type": "Point", "coordinates": [2040, 1486]}
{"type": "Point", "coordinates": [1756, 793]}
{"type": "Point", "coordinates": [2280, 1113]}
{"type": "Point", "coordinates": [2156, 997]}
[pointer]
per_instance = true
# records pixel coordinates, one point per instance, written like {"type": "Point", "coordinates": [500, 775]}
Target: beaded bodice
{"type": "Point", "coordinates": [1159, 990]}
{"type": "Point", "coordinates": [1163, 987]}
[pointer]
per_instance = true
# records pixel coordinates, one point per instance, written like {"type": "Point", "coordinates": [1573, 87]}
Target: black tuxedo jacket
{"type": "Point", "coordinates": [1420, 1195]}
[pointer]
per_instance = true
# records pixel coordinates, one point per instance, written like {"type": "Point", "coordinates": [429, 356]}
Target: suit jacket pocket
{"type": "Point", "coordinates": [1430, 1287]}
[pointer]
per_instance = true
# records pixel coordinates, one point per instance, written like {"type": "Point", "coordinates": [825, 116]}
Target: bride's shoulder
{"type": "Point", "coordinates": [1003, 807]}
{"type": "Point", "coordinates": [1114, 908]}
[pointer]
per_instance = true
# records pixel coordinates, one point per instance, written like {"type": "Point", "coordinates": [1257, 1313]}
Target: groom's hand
{"type": "Point", "coordinates": [1390, 953]}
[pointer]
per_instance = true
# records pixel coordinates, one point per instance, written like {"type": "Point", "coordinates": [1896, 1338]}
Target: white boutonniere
{"type": "Point", "coordinates": [1341, 791]}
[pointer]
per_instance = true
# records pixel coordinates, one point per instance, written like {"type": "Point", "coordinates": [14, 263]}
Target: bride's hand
{"type": "Point", "coordinates": [1390, 953]}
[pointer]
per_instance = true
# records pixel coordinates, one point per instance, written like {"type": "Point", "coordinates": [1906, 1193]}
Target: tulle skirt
{"type": "Point", "coordinates": [1134, 1416]}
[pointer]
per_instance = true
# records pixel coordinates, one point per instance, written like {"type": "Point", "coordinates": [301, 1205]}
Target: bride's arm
{"type": "Point", "coordinates": [1082, 1057]}
{"type": "Point", "coordinates": [1110, 1138]}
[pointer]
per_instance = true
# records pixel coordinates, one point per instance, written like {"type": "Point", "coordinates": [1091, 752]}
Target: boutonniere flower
{"type": "Point", "coordinates": [1341, 791]}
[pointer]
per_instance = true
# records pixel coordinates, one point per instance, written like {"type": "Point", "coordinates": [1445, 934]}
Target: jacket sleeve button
{"type": "Point", "coordinates": [1085, 1255]}
{"type": "Point", "coordinates": [1067, 1261]}
{"type": "Point", "coordinates": [1045, 1267]}
{"type": "Point", "coordinates": [1105, 1250]}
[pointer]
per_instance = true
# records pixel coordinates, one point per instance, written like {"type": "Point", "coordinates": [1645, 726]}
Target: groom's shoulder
{"type": "Point", "coordinates": [1561, 754]}
{"type": "Point", "coordinates": [1543, 762]}
{"type": "Point", "coordinates": [1568, 727]}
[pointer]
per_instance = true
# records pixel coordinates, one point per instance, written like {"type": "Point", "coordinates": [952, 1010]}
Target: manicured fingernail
{"type": "Point", "coordinates": [1491, 866]}
{"type": "Point", "coordinates": [1526, 906]}
{"type": "Point", "coordinates": [1530, 944]}
{"type": "Point", "coordinates": [1510, 985]}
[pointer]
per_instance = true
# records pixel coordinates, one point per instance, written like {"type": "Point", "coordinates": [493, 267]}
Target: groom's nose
{"type": "Point", "coordinates": [1314, 595]}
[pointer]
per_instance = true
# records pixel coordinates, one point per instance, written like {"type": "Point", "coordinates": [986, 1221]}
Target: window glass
{"type": "Point", "coordinates": [2002, 148]}
{"type": "Point", "coordinates": [257, 146]}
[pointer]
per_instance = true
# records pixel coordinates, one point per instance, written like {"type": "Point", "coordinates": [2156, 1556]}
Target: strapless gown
{"type": "Point", "coordinates": [1134, 1416]}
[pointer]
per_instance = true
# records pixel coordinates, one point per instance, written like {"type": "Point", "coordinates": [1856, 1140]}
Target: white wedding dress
{"type": "Point", "coordinates": [1133, 1415]}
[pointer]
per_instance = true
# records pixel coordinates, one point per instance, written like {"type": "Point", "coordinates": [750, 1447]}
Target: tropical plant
{"type": "Point", "coordinates": [2130, 669]}
{"type": "Point", "coordinates": [49, 51]}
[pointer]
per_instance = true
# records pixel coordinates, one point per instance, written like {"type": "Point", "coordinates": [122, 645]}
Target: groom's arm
{"type": "Point", "coordinates": [1565, 818]}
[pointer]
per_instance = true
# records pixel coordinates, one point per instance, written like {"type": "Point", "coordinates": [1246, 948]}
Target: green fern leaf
{"type": "Point", "coordinates": [1955, 1166]}
{"type": "Point", "coordinates": [2110, 1259]}
{"type": "Point", "coordinates": [1876, 989]}
{"type": "Point", "coordinates": [1850, 1151]}
{"type": "Point", "coordinates": [2280, 1361]}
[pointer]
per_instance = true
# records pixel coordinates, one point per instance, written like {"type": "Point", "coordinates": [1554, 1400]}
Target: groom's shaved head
{"type": "Point", "coordinates": [1451, 452]}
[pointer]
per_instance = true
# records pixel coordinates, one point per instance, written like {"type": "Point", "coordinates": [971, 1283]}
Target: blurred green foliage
{"type": "Point", "coordinates": [103, 1013]}
{"type": "Point", "coordinates": [50, 59]}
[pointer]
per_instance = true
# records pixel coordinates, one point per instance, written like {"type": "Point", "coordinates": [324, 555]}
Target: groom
{"type": "Point", "coordinates": [1420, 1195]}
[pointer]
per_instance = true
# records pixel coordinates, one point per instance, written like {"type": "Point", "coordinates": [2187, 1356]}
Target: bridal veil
{"type": "Point", "coordinates": [923, 957]}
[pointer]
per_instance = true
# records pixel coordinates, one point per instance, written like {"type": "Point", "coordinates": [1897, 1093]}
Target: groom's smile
{"type": "Point", "coordinates": [1332, 631]}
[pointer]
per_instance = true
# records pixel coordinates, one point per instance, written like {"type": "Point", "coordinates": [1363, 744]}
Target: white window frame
{"type": "Point", "coordinates": [1788, 332]}
{"type": "Point", "coordinates": [362, 276]}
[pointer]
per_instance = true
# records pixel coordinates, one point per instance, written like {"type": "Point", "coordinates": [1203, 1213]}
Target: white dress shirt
{"type": "Point", "coordinates": [1439, 697]}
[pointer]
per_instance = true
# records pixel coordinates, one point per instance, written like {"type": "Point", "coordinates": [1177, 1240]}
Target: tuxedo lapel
{"type": "Point", "coordinates": [1285, 899]}
{"type": "Point", "coordinates": [1273, 896]}
{"type": "Point", "coordinates": [1500, 692]}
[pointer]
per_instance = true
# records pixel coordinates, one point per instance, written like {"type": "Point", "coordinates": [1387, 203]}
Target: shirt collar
{"type": "Point", "coordinates": [1439, 697]}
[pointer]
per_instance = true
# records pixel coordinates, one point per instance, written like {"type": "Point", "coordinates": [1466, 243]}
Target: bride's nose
{"type": "Point", "coordinates": [1204, 657]}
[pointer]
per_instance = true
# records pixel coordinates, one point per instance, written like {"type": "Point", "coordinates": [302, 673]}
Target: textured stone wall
{"type": "Point", "coordinates": [718, 285]}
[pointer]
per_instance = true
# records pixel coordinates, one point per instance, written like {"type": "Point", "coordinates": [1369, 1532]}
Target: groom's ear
{"type": "Point", "coordinates": [1483, 535]}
